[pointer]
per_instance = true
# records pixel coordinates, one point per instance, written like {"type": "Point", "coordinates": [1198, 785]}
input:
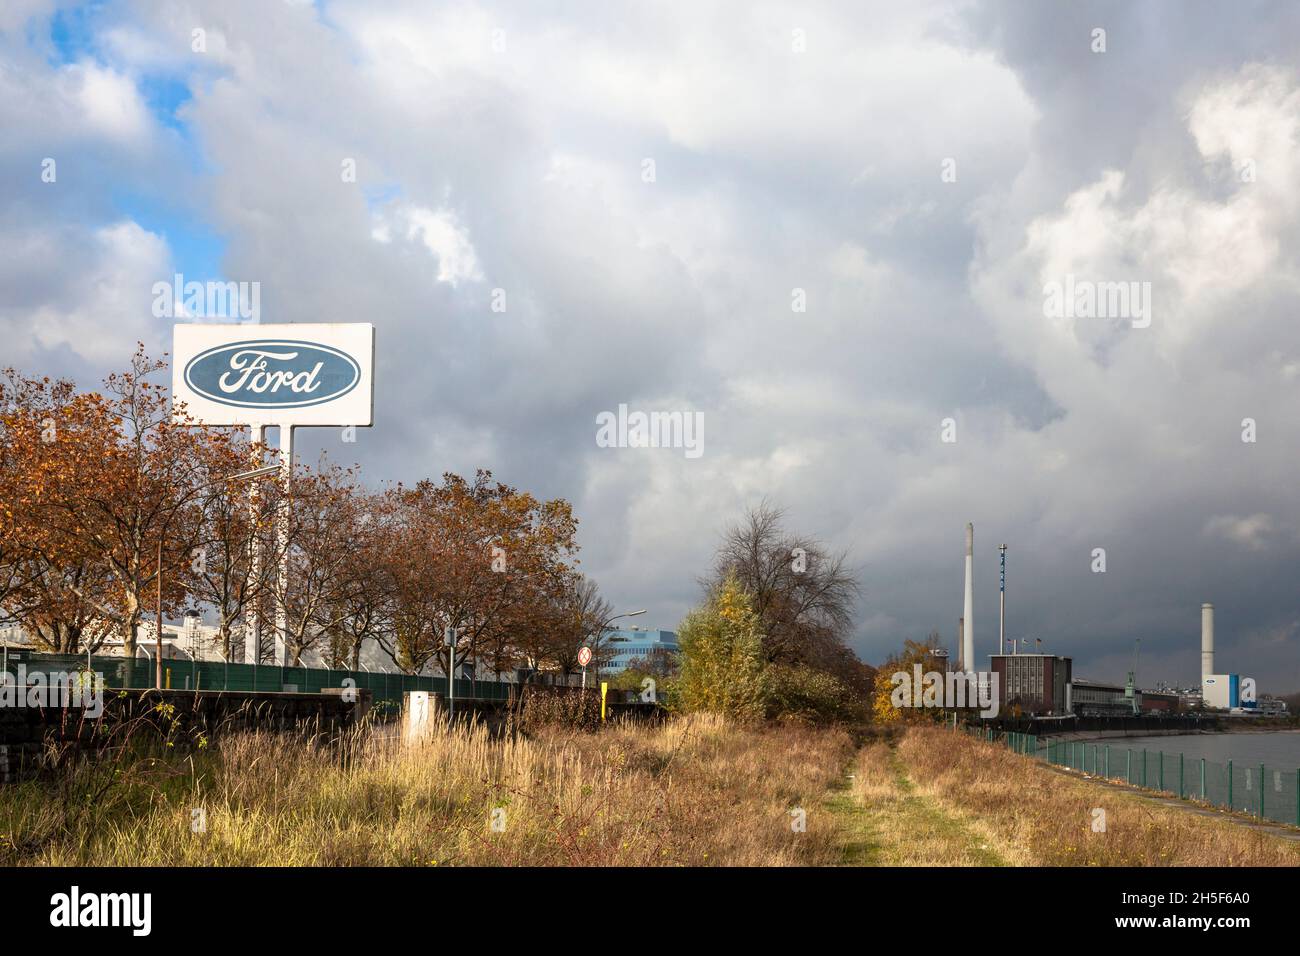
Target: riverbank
{"type": "Point", "coordinates": [930, 796]}
{"type": "Point", "coordinates": [1234, 727]}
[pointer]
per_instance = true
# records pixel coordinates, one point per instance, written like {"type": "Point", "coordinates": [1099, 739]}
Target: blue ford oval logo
{"type": "Point", "coordinates": [272, 373]}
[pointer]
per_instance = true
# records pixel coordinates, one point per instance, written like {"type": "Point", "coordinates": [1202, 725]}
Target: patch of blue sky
{"type": "Point", "coordinates": [165, 94]}
{"type": "Point", "coordinates": [71, 32]}
{"type": "Point", "coordinates": [73, 38]}
{"type": "Point", "coordinates": [380, 195]}
{"type": "Point", "coordinates": [196, 247]}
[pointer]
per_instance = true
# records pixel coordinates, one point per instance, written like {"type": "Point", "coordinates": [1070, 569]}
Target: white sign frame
{"type": "Point", "coordinates": [343, 343]}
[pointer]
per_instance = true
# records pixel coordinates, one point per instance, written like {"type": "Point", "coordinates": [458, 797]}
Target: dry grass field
{"type": "Point", "coordinates": [693, 791]}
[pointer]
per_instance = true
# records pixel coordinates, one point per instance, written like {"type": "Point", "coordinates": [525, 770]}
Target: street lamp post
{"type": "Point", "coordinates": [162, 536]}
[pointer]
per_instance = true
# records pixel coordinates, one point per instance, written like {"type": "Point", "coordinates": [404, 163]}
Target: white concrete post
{"type": "Point", "coordinates": [419, 717]}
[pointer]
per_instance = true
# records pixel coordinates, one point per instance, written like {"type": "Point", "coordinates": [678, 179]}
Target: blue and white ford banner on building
{"type": "Point", "coordinates": [300, 374]}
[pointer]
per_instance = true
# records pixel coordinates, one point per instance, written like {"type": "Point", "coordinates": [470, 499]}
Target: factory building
{"type": "Point", "coordinates": [1044, 685]}
{"type": "Point", "coordinates": [1224, 692]}
{"type": "Point", "coordinates": [1093, 699]}
{"type": "Point", "coordinates": [1036, 684]}
{"type": "Point", "coordinates": [1221, 691]}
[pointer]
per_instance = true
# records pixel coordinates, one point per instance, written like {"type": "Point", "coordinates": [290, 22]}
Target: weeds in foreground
{"type": "Point", "coordinates": [693, 791]}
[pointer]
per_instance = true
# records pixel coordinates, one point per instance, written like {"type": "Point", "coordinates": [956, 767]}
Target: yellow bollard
{"type": "Point", "coordinates": [169, 678]}
{"type": "Point", "coordinates": [604, 689]}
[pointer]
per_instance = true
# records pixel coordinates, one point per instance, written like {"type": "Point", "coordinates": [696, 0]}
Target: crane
{"type": "Point", "coordinates": [1130, 688]}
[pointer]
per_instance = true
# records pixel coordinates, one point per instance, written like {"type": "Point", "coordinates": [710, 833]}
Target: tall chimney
{"type": "Point", "coordinates": [968, 615]}
{"type": "Point", "coordinates": [1207, 640]}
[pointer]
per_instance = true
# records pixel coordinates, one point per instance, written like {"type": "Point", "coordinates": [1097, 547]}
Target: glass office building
{"type": "Point", "coordinates": [626, 645]}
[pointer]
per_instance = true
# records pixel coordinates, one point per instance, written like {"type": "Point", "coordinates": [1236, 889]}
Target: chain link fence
{"type": "Point", "coordinates": [1270, 793]}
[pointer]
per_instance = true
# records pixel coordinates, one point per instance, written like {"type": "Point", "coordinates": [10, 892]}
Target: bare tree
{"type": "Point", "coordinates": [804, 595]}
{"type": "Point", "coordinates": [582, 617]}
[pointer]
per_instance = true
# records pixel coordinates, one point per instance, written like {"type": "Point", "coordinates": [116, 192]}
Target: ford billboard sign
{"type": "Point", "coordinates": [318, 374]}
{"type": "Point", "coordinates": [271, 373]}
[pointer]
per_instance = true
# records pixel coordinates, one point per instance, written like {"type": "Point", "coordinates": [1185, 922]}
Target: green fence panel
{"type": "Point", "coordinates": [183, 674]}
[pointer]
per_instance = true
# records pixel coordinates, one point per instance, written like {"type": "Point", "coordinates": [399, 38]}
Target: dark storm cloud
{"type": "Point", "coordinates": [514, 160]}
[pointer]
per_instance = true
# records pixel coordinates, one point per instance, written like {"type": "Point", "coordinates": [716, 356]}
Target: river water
{"type": "Point", "coordinates": [1275, 749]}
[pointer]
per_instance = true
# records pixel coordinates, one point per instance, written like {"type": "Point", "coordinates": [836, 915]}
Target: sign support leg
{"type": "Point", "coordinates": [253, 632]}
{"type": "Point", "coordinates": [282, 537]}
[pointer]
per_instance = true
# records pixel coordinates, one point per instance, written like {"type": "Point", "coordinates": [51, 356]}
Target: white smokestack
{"type": "Point", "coordinates": [1207, 640]}
{"type": "Point", "coordinates": [968, 616]}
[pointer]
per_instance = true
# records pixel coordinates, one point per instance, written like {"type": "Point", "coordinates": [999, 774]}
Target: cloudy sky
{"type": "Point", "coordinates": [650, 185]}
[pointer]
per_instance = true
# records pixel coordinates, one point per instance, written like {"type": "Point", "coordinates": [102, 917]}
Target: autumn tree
{"type": "Point", "coordinates": [883, 704]}
{"type": "Point", "coordinates": [327, 517]}
{"type": "Point", "coordinates": [51, 589]}
{"type": "Point", "coordinates": [223, 573]}
{"type": "Point", "coordinates": [108, 479]}
{"type": "Point", "coordinates": [480, 559]}
{"type": "Point", "coordinates": [361, 611]}
{"type": "Point", "coordinates": [413, 560]}
{"type": "Point", "coordinates": [722, 661]}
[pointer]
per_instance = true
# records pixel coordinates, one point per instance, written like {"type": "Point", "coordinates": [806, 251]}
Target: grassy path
{"type": "Point", "coordinates": [885, 821]}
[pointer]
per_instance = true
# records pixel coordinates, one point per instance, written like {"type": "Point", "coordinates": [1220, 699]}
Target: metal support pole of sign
{"type": "Point", "coordinates": [253, 633]}
{"type": "Point", "coordinates": [282, 541]}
